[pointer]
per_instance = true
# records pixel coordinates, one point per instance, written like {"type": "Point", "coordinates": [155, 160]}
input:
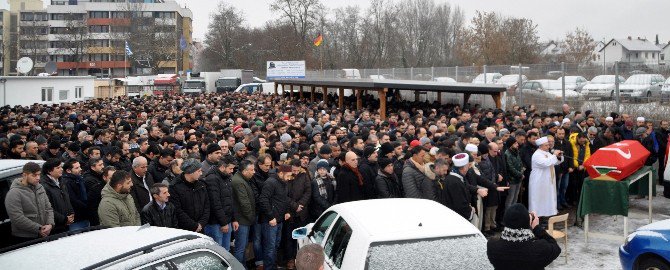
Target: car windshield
{"type": "Point", "coordinates": [603, 79]}
{"type": "Point", "coordinates": [430, 254]}
{"type": "Point", "coordinates": [638, 80]}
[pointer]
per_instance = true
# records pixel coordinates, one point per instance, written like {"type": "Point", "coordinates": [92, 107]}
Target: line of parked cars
{"type": "Point", "coordinates": [637, 87]}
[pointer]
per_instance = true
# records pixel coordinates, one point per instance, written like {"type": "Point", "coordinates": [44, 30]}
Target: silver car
{"type": "Point", "coordinates": [642, 86]}
{"type": "Point", "coordinates": [602, 86]}
{"type": "Point", "coordinates": [575, 83]}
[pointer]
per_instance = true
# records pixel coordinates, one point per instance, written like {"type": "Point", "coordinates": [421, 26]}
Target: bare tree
{"type": "Point", "coordinates": [223, 37]}
{"type": "Point", "coordinates": [578, 46]}
{"type": "Point", "coordinates": [154, 41]}
{"type": "Point", "coordinates": [72, 43]}
{"type": "Point", "coordinates": [301, 15]}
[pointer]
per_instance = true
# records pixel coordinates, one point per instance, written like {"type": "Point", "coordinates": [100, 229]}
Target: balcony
{"type": "Point", "coordinates": [95, 64]}
{"type": "Point", "coordinates": [33, 23]}
{"type": "Point", "coordinates": [161, 21]}
{"type": "Point", "coordinates": [104, 50]}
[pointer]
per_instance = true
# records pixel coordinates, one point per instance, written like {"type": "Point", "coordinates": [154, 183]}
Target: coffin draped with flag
{"type": "Point", "coordinates": [617, 161]}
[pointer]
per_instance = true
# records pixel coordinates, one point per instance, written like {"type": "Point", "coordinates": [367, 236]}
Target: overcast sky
{"type": "Point", "coordinates": [604, 19]}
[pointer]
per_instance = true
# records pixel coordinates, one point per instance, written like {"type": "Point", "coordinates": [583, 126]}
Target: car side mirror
{"type": "Point", "coordinates": [540, 89]}
{"type": "Point", "coordinates": [299, 233]}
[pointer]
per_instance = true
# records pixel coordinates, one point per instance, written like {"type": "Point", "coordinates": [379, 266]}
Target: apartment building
{"type": "Point", "coordinates": [88, 37]}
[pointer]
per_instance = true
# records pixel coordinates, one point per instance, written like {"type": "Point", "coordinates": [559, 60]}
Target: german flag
{"type": "Point", "coordinates": [318, 40]}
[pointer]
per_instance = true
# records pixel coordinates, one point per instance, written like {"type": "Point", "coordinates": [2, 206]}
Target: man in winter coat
{"type": "Point", "coordinates": [214, 154]}
{"type": "Point", "coordinates": [324, 153]}
{"type": "Point", "coordinates": [142, 181]}
{"type": "Point", "coordinates": [369, 169]}
{"type": "Point", "coordinates": [323, 190]}
{"type": "Point", "coordinates": [515, 170]}
{"type": "Point", "coordinates": [160, 164]}
{"type": "Point", "coordinates": [580, 151]}
{"type": "Point", "coordinates": [78, 194]}
{"type": "Point", "coordinates": [458, 196]}
{"type": "Point", "coordinates": [28, 206]}
{"type": "Point", "coordinates": [244, 207]}
{"type": "Point", "coordinates": [349, 180]}
{"type": "Point", "coordinates": [160, 212]}
{"type": "Point", "coordinates": [299, 193]}
{"type": "Point", "coordinates": [274, 210]}
{"type": "Point", "coordinates": [563, 170]}
{"type": "Point", "coordinates": [414, 180]}
{"type": "Point", "coordinates": [220, 190]}
{"type": "Point", "coordinates": [387, 183]}
{"type": "Point", "coordinates": [117, 207]}
{"type": "Point", "coordinates": [58, 195]}
{"type": "Point", "coordinates": [94, 180]}
{"type": "Point", "coordinates": [523, 243]}
{"type": "Point", "coordinates": [190, 198]}
{"type": "Point", "coordinates": [526, 153]}
{"type": "Point", "coordinates": [441, 169]}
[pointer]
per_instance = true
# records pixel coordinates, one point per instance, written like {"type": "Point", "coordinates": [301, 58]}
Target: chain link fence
{"type": "Point", "coordinates": [547, 86]}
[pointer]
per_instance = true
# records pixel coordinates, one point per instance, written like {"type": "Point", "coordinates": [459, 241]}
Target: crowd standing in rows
{"type": "Point", "coordinates": [251, 168]}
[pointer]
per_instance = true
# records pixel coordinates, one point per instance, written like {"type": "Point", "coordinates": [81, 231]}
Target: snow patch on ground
{"type": "Point", "coordinates": [604, 254]}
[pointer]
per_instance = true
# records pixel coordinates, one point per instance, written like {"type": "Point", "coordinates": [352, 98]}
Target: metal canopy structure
{"type": "Point", "coordinates": [384, 86]}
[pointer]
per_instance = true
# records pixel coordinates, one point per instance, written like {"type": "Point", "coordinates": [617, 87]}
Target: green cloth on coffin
{"type": "Point", "coordinates": [611, 197]}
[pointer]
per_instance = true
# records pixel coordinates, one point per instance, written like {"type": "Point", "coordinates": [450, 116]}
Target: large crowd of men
{"type": "Point", "coordinates": [250, 168]}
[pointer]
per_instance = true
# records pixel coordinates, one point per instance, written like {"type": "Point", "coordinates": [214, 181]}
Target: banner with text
{"type": "Point", "coordinates": [285, 70]}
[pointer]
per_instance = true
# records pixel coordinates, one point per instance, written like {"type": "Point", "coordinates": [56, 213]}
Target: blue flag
{"type": "Point", "coordinates": [128, 51]}
{"type": "Point", "coordinates": [182, 43]}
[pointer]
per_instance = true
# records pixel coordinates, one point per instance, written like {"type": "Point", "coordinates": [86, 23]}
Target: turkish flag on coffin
{"type": "Point", "coordinates": [617, 161]}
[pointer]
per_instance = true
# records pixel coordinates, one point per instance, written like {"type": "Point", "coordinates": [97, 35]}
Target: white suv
{"type": "Point", "coordinates": [395, 234]}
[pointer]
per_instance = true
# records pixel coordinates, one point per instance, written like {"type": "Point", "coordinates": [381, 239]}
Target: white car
{"type": "Point", "coordinates": [665, 90]}
{"type": "Point", "coordinates": [602, 86]}
{"type": "Point", "coordinates": [575, 83]}
{"type": "Point", "coordinates": [444, 79]}
{"type": "Point", "coordinates": [265, 88]}
{"type": "Point", "coordinates": [642, 86]}
{"type": "Point", "coordinates": [131, 247]}
{"type": "Point", "coordinates": [511, 80]}
{"type": "Point", "coordinates": [395, 234]}
{"type": "Point", "coordinates": [550, 89]}
{"type": "Point", "coordinates": [490, 78]}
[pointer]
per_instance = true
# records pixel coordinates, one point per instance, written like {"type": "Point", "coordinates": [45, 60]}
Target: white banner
{"type": "Point", "coordinates": [285, 69]}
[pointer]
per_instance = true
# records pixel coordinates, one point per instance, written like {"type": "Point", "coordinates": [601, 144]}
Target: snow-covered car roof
{"type": "Point", "coordinates": [402, 219]}
{"type": "Point", "coordinates": [86, 249]}
{"type": "Point", "coordinates": [9, 167]}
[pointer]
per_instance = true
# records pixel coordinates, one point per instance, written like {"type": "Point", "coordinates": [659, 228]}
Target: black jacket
{"type": "Point", "coordinates": [273, 201]}
{"type": "Point", "coordinates": [388, 186]}
{"type": "Point", "coordinates": [300, 193]}
{"type": "Point", "coordinates": [472, 180]}
{"type": "Point", "coordinates": [348, 188]}
{"type": "Point", "coordinates": [141, 194]}
{"type": "Point", "coordinates": [152, 214]}
{"type": "Point", "coordinates": [60, 202]}
{"type": "Point", "coordinates": [369, 171]}
{"type": "Point", "coordinates": [458, 196]}
{"type": "Point", "coordinates": [78, 196]}
{"type": "Point", "coordinates": [258, 180]}
{"type": "Point", "coordinates": [526, 152]}
{"type": "Point", "coordinates": [156, 170]}
{"type": "Point", "coordinates": [319, 204]}
{"type": "Point", "coordinates": [564, 146]}
{"type": "Point", "coordinates": [191, 202]}
{"type": "Point", "coordinates": [533, 254]}
{"type": "Point", "coordinates": [94, 184]}
{"type": "Point", "coordinates": [220, 190]}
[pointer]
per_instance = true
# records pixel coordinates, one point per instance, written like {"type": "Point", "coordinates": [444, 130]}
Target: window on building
{"type": "Point", "coordinates": [646, 55]}
{"type": "Point", "coordinates": [119, 14]}
{"type": "Point", "coordinates": [662, 56]}
{"type": "Point", "coordinates": [98, 14]}
{"type": "Point", "coordinates": [653, 55]}
{"type": "Point", "coordinates": [62, 94]}
{"type": "Point", "coordinates": [47, 94]}
{"type": "Point", "coordinates": [637, 55]}
{"type": "Point", "coordinates": [27, 16]}
{"type": "Point", "coordinates": [77, 91]}
{"type": "Point", "coordinates": [98, 29]}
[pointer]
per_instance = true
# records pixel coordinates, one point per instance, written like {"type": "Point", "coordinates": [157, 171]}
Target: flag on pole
{"type": "Point", "coordinates": [128, 51]}
{"type": "Point", "coordinates": [182, 43]}
{"type": "Point", "coordinates": [318, 40]}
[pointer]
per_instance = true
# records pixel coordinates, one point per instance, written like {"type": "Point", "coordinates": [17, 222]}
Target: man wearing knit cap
{"type": "Point", "coordinates": [240, 152]}
{"type": "Point", "coordinates": [324, 153]}
{"type": "Point", "coordinates": [369, 169]}
{"type": "Point", "coordinates": [190, 197]}
{"type": "Point", "coordinates": [522, 242]}
{"type": "Point", "coordinates": [542, 182]}
{"type": "Point", "coordinates": [274, 205]}
{"type": "Point", "coordinates": [214, 154]}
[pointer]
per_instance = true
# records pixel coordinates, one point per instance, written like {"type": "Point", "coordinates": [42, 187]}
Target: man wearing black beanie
{"type": "Point", "coordinates": [523, 244]}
